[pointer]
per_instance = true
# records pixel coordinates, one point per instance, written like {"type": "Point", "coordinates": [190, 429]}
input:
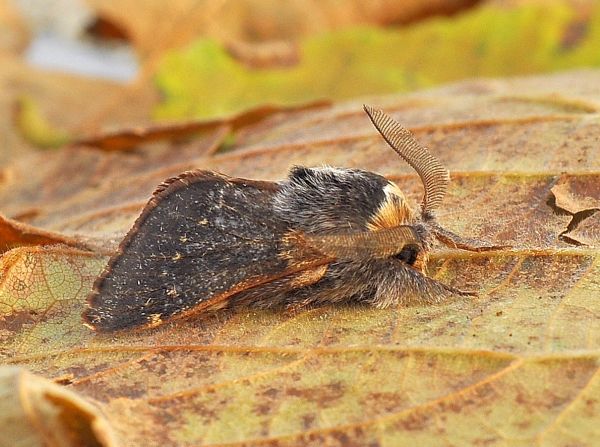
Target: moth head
{"type": "Point", "coordinates": [394, 229]}
{"type": "Point", "coordinates": [435, 178]}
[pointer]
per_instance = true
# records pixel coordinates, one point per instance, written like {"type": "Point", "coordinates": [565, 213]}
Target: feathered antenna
{"type": "Point", "coordinates": [434, 176]}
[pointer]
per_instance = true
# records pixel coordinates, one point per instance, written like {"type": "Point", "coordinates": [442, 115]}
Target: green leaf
{"type": "Point", "coordinates": [35, 128]}
{"type": "Point", "coordinates": [203, 80]}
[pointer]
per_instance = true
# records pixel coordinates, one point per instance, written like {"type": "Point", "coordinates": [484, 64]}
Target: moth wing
{"type": "Point", "coordinates": [202, 238]}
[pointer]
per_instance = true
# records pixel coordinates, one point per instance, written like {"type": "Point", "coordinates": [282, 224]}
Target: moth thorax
{"type": "Point", "coordinates": [393, 210]}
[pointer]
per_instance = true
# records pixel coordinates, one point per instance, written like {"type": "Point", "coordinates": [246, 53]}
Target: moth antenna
{"type": "Point", "coordinates": [434, 176]}
{"type": "Point", "coordinates": [453, 240]}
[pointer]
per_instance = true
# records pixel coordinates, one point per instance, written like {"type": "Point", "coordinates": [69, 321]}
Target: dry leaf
{"type": "Point", "coordinates": [34, 127]}
{"type": "Point", "coordinates": [155, 28]}
{"type": "Point", "coordinates": [128, 139]}
{"type": "Point", "coordinates": [13, 33]}
{"type": "Point", "coordinates": [34, 412]}
{"type": "Point", "coordinates": [587, 232]}
{"type": "Point", "coordinates": [577, 194]}
{"type": "Point", "coordinates": [204, 80]}
{"type": "Point", "coordinates": [60, 101]}
{"type": "Point", "coordinates": [579, 197]}
{"type": "Point", "coordinates": [518, 362]}
{"type": "Point", "coordinates": [14, 233]}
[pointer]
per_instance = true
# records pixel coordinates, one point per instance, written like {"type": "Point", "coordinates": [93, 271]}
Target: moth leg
{"type": "Point", "coordinates": [343, 282]}
{"type": "Point", "coordinates": [378, 282]}
{"type": "Point", "coordinates": [399, 284]}
{"type": "Point", "coordinates": [292, 309]}
{"type": "Point", "coordinates": [453, 240]}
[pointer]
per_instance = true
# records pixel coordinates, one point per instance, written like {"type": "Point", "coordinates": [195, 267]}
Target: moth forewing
{"type": "Point", "coordinates": [202, 238]}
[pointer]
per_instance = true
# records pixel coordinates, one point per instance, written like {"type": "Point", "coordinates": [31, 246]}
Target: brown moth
{"type": "Point", "coordinates": [206, 241]}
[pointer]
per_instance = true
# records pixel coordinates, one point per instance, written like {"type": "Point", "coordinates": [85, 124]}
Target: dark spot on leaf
{"type": "Point", "coordinates": [574, 33]}
{"type": "Point", "coordinates": [14, 322]}
{"type": "Point", "coordinates": [324, 395]}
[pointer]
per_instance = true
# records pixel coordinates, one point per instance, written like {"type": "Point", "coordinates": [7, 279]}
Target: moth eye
{"type": "Point", "coordinates": [408, 255]}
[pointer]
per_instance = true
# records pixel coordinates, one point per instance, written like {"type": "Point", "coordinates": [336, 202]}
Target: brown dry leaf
{"type": "Point", "coordinates": [13, 32]}
{"type": "Point", "coordinates": [586, 233]}
{"type": "Point", "coordinates": [154, 28]}
{"type": "Point", "coordinates": [130, 138]}
{"type": "Point", "coordinates": [580, 197]}
{"type": "Point", "coordinates": [577, 194]}
{"type": "Point", "coordinates": [67, 102]}
{"type": "Point", "coordinates": [57, 104]}
{"type": "Point", "coordinates": [519, 362]}
{"type": "Point", "coordinates": [36, 412]}
{"type": "Point", "coordinates": [14, 233]}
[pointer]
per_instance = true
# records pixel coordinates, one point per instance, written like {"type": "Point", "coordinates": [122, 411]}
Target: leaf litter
{"type": "Point", "coordinates": [518, 362]}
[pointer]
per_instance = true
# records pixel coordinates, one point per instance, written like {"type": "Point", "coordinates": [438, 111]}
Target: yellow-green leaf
{"type": "Point", "coordinates": [205, 81]}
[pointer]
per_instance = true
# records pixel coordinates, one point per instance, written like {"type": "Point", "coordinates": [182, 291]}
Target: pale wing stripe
{"type": "Point", "coordinates": [365, 245]}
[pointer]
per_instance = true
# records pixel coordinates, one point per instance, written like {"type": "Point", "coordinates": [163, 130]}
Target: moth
{"type": "Point", "coordinates": [206, 241]}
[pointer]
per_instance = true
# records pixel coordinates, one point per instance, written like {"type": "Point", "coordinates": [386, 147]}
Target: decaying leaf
{"type": "Point", "coordinates": [518, 362]}
{"type": "Point", "coordinates": [204, 80]}
{"type": "Point", "coordinates": [14, 233]}
{"type": "Point", "coordinates": [35, 128]}
{"type": "Point", "coordinates": [586, 232]}
{"type": "Point", "coordinates": [34, 412]}
{"type": "Point", "coordinates": [577, 194]}
{"type": "Point", "coordinates": [128, 139]}
{"type": "Point", "coordinates": [579, 197]}
{"type": "Point", "coordinates": [13, 33]}
{"type": "Point", "coordinates": [64, 105]}
{"type": "Point", "coordinates": [155, 28]}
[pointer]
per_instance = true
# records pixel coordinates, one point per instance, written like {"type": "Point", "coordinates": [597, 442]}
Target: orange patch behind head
{"type": "Point", "coordinates": [393, 211]}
